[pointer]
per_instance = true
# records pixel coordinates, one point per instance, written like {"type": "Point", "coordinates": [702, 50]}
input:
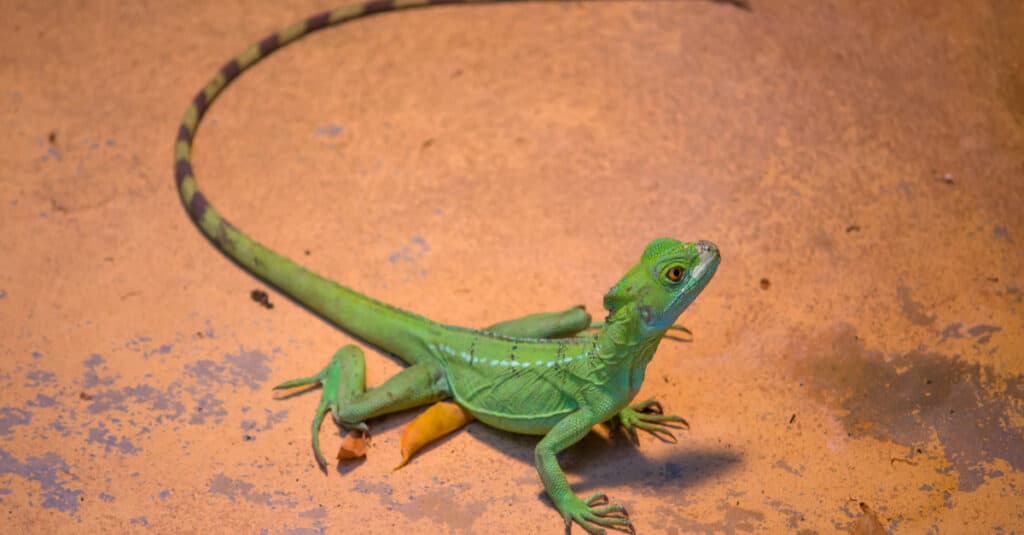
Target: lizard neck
{"type": "Point", "coordinates": [624, 342]}
{"type": "Point", "coordinates": [625, 350]}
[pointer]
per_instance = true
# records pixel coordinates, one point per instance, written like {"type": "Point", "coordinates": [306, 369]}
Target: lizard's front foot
{"type": "Point", "coordinates": [649, 416]}
{"type": "Point", "coordinates": [595, 514]}
{"type": "Point", "coordinates": [331, 398]}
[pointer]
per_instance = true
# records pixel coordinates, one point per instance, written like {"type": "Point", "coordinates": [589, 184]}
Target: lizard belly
{"type": "Point", "coordinates": [526, 425]}
{"type": "Point", "coordinates": [520, 401]}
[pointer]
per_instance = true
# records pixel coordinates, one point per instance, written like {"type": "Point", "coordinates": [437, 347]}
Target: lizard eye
{"type": "Point", "coordinates": [675, 274]}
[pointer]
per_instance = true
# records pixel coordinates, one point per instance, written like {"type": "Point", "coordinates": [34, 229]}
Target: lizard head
{"type": "Point", "coordinates": [669, 276]}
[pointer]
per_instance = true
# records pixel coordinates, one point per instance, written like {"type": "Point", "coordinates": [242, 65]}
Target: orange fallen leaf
{"type": "Point", "coordinates": [353, 446]}
{"type": "Point", "coordinates": [436, 422]}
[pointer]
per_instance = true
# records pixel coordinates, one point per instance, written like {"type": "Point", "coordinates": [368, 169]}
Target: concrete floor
{"type": "Point", "coordinates": [860, 164]}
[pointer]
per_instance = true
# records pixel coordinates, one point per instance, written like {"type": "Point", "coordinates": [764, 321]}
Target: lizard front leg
{"type": "Point", "coordinates": [350, 404]}
{"type": "Point", "coordinates": [593, 514]}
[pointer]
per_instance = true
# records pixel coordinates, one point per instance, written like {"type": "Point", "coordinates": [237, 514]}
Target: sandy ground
{"type": "Point", "coordinates": [860, 165]}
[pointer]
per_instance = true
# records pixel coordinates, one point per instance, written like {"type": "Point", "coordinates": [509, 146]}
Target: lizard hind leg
{"type": "Point", "coordinates": [345, 395]}
{"type": "Point", "coordinates": [343, 379]}
{"type": "Point", "coordinates": [565, 323]}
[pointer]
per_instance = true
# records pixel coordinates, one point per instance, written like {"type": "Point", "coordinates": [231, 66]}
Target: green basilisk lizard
{"type": "Point", "coordinates": [530, 375]}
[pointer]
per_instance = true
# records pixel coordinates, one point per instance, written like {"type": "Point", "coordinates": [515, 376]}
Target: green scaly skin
{"type": "Point", "coordinates": [529, 375]}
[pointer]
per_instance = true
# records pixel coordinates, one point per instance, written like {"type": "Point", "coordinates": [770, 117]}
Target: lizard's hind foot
{"type": "Point", "coordinates": [342, 380]}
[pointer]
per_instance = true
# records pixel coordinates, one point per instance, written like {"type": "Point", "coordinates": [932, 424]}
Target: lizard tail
{"type": "Point", "coordinates": [389, 328]}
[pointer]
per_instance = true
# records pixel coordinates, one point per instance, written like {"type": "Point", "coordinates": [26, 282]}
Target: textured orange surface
{"type": "Point", "coordinates": [860, 165]}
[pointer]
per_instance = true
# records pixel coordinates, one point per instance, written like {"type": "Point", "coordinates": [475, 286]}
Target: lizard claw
{"type": "Point", "coordinates": [321, 410]}
{"type": "Point", "coordinates": [648, 415]}
{"type": "Point", "coordinates": [595, 514]}
{"type": "Point", "coordinates": [649, 406]}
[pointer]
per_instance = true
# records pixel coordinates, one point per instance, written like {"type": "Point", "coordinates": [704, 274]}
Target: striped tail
{"type": "Point", "coordinates": [393, 330]}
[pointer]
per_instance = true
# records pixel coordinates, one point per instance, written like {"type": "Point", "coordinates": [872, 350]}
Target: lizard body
{"type": "Point", "coordinates": [529, 375]}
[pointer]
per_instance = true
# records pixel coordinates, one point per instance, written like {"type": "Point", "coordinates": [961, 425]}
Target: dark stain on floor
{"type": "Point", "coordinates": [113, 419]}
{"type": "Point", "coordinates": [52, 477]}
{"type": "Point", "coordinates": [912, 310]}
{"type": "Point", "coordinates": [239, 489]}
{"type": "Point", "coordinates": [909, 398]}
{"type": "Point", "coordinates": [731, 519]}
{"type": "Point", "coordinates": [438, 501]}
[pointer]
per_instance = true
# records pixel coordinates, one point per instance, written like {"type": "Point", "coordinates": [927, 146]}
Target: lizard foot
{"type": "Point", "coordinates": [595, 514]}
{"type": "Point", "coordinates": [330, 400]}
{"type": "Point", "coordinates": [649, 416]}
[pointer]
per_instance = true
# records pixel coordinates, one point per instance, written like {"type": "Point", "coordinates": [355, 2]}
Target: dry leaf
{"type": "Point", "coordinates": [353, 446]}
{"type": "Point", "coordinates": [436, 422]}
